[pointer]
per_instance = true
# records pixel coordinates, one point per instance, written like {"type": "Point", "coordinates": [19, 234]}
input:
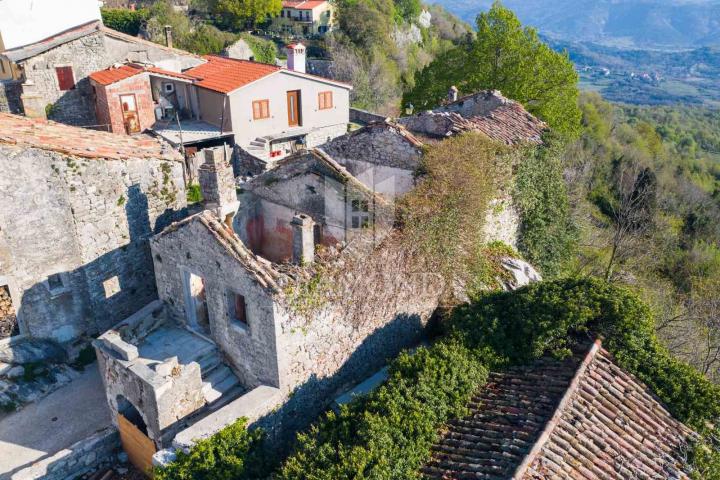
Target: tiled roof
{"type": "Point", "coordinates": [572, 419]}
{"type": "Point", "coordinates": [81, 142]}
{"type": "Point", "coordinates": [23, 53]}
{"type": "Point", "coordinates": [115, 74]}
{"type": "Point", "coordinates": [303, 4]}
{"type": "Point", "coordinates": [227, 74]}
{"type": "Point", "coordinates": [499, 118]}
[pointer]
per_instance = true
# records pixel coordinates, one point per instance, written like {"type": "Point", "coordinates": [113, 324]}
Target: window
{"type": "Point", "coordinates": [261, 109]}
{"type": "Point", "coordinates": [360, 217]}
{"type": "Point", "coordinates": [237, 308]}
{"type": "Point", "coordinates": [111, 286]}
{"type": "Point", "coordinates": [57, 284]}
{"type": "Point", "coordinates": [282, 13]}
{"type": "Point", "coordinates": [325, 100]}
{"type": "Point", "coordinates": [66, 79]}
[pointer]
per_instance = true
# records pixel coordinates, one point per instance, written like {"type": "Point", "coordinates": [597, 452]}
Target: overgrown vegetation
{"type": "Point", "coordinates": [388, 433]}
{"type": "Point", "coordinates": [511, 58]}
{"type": "Point", "coordinates": [548, 234]}
{"type": "Point", "coordinates": [194, 193]}
{"type": "Point", "coordinates": [125, 20]}
{"type": "Point", "coordinates": [374, 437]}
{"type": "Point", "coordinates": [444, 216]}
{"type": "Point", "coordinates": [234, 453]}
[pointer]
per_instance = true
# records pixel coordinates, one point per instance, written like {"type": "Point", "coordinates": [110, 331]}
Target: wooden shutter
{"type": "Point", "coordinates": [261, 109]}
{"type": "Point", "coordinates": [325, 100]}
{"type": "Point", "coordinates": [66, 81]}
{"type": "Point", "coordinates": [240, 314]}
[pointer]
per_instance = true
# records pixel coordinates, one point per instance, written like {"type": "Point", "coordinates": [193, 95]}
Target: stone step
{"type": "Point", "coordinates": [219, 381]}
{"type": "Point", "coordinates": [256, 143]}
{"type": "Point", "coordinates": [208, 361]}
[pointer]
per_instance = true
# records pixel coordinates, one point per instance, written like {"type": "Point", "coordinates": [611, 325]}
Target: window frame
{"type": "Point", "coordinates": [258, 114]}
{"type": "Point", "coordinates": [323, 100]}
{"type": "Point", "coordinates": [65, 68]}
{"type": "Point", "coordinates": [232, 303]}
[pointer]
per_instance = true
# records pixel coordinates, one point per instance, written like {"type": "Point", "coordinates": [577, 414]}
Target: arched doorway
{"type": "Point", "coordinates": [134, 435]}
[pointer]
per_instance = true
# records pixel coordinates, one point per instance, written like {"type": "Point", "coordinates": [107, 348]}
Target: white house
{"type": "Point", "coordinates": [271, 110]}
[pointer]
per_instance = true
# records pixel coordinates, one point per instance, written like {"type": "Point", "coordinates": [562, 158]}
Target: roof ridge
{"type": "Point", "coordinates": [555, 419]}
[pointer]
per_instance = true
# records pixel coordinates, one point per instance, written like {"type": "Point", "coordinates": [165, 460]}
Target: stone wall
{"type": "Point", "coordinates": [364, 117]}
{"type": "Point", "coordinates": [320, 136]}
{"type": "Point", "coordinates": [85, 55]}
{"type": "Point", "coordinates": [88, 221]}
{"type": "Point", "coordinates": [10, 101]}
{"type": "Point", "coordinates": [97, 451]}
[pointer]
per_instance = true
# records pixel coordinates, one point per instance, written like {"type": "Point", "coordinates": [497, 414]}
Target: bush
{"type": "Point", "coordinates": [234, 453]}
{"type": "Point", "coordinates": [388, 434]}
{"type": "Point", "coordinates": [548, 235]}
{"type": "Point", "coordinates": [264, 51]}
{"type": "Point", "coordinates": [124, 20]}
{"type": "Point", "coordinates": [549, 317]}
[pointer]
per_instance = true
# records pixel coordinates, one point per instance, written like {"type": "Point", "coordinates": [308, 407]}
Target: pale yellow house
{"type": "Point", "coordinates": [305, 17]}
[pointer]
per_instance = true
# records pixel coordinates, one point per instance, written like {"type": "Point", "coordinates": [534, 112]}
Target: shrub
{"type": "Point", "coordinates": [549, 317]}
{"type": "Point", "coordinates": [234, 453]}
{"type": "Point", "coordinates": [194, 193]}
{"type": "Point", "coordinates": [388, 434]}
{"type": "Point", "coordinates": [124, 20]}
{"type": "Point", "coordinates": [264, 51]}
{"type": "Point", "coordinates": [548, 235]}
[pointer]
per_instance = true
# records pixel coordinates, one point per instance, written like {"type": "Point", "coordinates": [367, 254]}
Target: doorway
{"type": "Point", "coordinates": [131, 120]}
{"type": "Point", "coordinates": [133, 436]}
{"type": "Point", "coordinates": [196, 301]}
{"type": "Point", "coordinates": [294, 108]}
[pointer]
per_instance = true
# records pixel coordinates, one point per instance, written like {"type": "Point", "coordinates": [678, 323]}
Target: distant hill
{"type": "Point", "coordinates": [639, 23]}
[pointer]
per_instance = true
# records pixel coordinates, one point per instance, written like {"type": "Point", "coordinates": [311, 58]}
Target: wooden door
{"type": "Point", "coordinates": [137, 445]}
{"type": "Point", "coordinates": [293, 101]}
{"type": "Point", "coordinates": [131, 120]}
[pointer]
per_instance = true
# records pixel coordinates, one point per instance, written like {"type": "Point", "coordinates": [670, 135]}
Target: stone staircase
{"type": "Point", "coordinates": [217, 377]}
{"type": "Point", "coordinates": [259, 148]}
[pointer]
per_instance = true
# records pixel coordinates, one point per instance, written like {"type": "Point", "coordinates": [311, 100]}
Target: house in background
{"type": "Point", "coordinates": [304, 17]}
{"type": "Point", "coordinates": [271, 111]}
{"type": "Point", "coordinates": [50, 50]}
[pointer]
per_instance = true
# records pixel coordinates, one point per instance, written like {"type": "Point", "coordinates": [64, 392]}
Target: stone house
{"type": "Point", "coordinates": [228, 338]}
{"type": "Point", "coordinates": [314, 185]}
{"type": "Point", "coordinates": [74, 248]}
{"type": "Point", "coordinates": [304, 18]}
{"type": "Point", "coordinates": [383, 155]}
{"type": "Point", "coordinates": [48, 71]}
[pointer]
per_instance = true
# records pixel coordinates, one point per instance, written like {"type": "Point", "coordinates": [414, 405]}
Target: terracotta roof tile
{"type": "Point", "coordinates": [113, 74]}
{"type": "Point", "coordinates": [581, 419]}
{"type": "Point", "coordinates": [81, 142]}
{"type": "Point", "coordinates": [303, 4]}
{"type": "Point", "coordinates": [226, 74]}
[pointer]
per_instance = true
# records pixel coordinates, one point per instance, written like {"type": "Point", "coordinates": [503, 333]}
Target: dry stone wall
{"type": "Point", "coordinates": [10, 101]}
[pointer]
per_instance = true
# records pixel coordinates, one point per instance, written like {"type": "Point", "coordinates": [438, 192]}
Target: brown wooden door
{"type": "Point", "coordinates": [130, 114]}
{"type": "Point", "coordinates": [137, 445]}
{"type": "Point", "coordinates": [293, 101]}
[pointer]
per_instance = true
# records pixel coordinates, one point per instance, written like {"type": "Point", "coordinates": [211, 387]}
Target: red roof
{"type": "Point", "coordinates": [303, 5]}
{"type": "Point", "coordinates": [81, 142]}
{"type": "Point", "coordinates": [227, 74]}
{"type": "Point", "coordinates": [115, 74]}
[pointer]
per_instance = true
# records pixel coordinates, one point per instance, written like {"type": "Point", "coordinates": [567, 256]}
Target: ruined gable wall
{"type": "Point", "coordinates": [85, 55]}
{"type": "Point", "coordinates": [375, 305]}
{"type": "Point", "coordinates": [250, 349]}
{"type": "Point", "coordinates": [89, 220]}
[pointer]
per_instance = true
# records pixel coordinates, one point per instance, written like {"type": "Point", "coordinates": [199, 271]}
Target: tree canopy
{"type": "Point", "coordinates": [241, 14]}
{"type": "Point", "coordinates": [511, 58]}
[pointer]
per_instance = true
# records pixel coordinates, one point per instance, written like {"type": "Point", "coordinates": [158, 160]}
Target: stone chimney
{"type": "Point", "coordinates": [453, 94]}
{"type": "Point", "coordinates": [303, 239]}
{"type": "Point", "coordinates": [296, 57]}
{"type": "Point", "coordinates": [217, 184]}
{"type": "Point", "coordinates": [168, 36]}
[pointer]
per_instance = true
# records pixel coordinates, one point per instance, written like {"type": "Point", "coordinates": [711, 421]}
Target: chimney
{"type": "Point", "coordinates": [217, 184]}
{"type": "Point", "coordinates": [303, 248]}
{"type": "Point", "coordinates": [296, 57]}
{"type": "Point", "coordinates": [168, 36]}
{"type": "Point", "coordinates": [453, 94]}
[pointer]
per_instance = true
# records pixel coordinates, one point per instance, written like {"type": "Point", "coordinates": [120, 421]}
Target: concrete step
{"type": "Point", "coordinates": [219, 381]}
{"type": "Point", "coordinates": [256, 143]}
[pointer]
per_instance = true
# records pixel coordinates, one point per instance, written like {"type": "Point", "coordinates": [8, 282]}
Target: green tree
{"type": "Point", "coordinates": [511, 58]}
{"type": "Point", "coordinates": [124, 20]}
{"type": "Point", "coordinates": [241, 14]}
